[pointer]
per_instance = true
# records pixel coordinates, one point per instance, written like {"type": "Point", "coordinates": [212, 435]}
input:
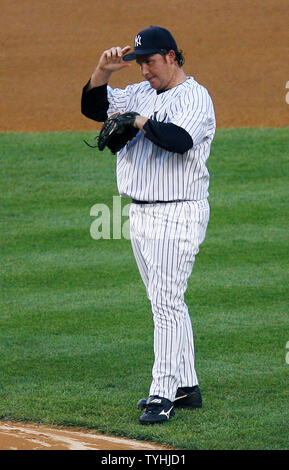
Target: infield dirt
{"type": "Point", "coordinates": [237, 49]}
{"type": "Point", "coordinates": [25, 436]}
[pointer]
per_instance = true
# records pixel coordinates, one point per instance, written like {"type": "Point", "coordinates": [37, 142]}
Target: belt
{"type": "Point", "coordinates": [135, 201]}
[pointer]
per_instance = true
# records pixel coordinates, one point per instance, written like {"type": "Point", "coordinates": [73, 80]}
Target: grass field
{"type": "Point", "coordinates": [75, 325]}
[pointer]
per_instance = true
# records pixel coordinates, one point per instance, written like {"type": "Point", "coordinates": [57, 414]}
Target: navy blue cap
{"type": "Point", "coordinates": [151, 41]}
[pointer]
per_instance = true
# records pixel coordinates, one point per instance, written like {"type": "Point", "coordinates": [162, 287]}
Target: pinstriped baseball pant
{"type": "Point", "coordinates": [165, 240]}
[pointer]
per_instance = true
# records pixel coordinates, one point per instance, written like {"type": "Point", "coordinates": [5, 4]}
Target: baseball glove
{"type": "Point", "coordinates": [116, 131]}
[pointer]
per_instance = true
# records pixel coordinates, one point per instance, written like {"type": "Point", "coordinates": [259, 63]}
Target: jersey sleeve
{"type": "Point", "coordinates": [118, 99]}
{"type": "Point", "coordinates": [194, 112]}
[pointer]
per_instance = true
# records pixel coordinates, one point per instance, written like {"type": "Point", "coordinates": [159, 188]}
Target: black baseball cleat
{"type": "Point", "coordinates": [188, 397]}
{"type": "Point", "coordinates": [156, 410]}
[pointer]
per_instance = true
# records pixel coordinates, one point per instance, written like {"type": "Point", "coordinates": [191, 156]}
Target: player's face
{"type": "Point", "coordinates": [158, 70]}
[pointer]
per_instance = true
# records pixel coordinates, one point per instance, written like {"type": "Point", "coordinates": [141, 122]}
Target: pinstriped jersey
{"type": "Point", "coordinates": [147, 172]}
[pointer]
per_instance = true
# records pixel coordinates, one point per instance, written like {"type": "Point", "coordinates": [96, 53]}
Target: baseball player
{"type": "Point", "coordinates": [163, 170]}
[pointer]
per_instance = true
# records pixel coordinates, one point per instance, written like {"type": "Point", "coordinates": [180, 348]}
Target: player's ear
{"type": "Point", "coordinates": [171, 56]}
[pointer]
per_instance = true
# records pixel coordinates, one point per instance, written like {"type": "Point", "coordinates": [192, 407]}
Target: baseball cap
{"type": "Point", "coordinates": [151, 41]}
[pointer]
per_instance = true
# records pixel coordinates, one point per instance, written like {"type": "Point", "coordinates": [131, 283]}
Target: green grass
{"type": "Point", "coordinates": [76, 334]}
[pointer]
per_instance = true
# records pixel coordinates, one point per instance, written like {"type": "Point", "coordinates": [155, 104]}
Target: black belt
{"type": "Point", "coordinates": [134, 201]}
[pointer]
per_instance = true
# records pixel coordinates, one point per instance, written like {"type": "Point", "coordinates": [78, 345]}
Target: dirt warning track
{"type": "Point", "coordinates": [237, 49]}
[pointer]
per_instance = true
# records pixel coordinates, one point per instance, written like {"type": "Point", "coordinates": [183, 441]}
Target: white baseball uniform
{"type": "Point", "coordinates": [169, 225]}
{"type": "Point", "coordinates": [147, 172]}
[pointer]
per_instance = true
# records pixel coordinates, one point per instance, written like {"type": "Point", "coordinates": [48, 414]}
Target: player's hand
{"type": "Point", "coordinates": [140, 122]}
{"type": "Point", "coordinates": [111, 59]}
{"type": "Point", "coordinates": [109, 62]}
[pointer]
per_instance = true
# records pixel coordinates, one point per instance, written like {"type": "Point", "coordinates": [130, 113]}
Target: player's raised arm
{"type": "Point", "coordinates": [109, 62]}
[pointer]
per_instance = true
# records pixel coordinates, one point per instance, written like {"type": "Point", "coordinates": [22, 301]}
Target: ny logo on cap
{"type": "Point", "coordinates": [137, 41]}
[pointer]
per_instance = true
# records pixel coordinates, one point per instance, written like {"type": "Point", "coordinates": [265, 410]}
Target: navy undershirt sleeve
{"type": "Point", "coordinates": [94, 102]}
{"type": "Point", "coordinates": [168, 136]}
